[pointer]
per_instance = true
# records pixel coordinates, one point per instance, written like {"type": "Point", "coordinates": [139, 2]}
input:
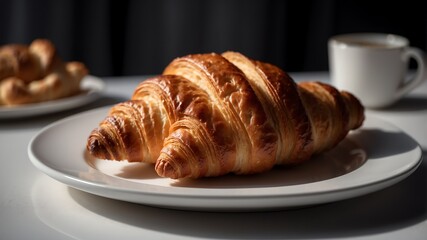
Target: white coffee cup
{"type": "Point", "coordinates": [374, 66]}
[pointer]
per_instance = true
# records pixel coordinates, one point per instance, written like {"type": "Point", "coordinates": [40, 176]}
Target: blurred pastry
{"type": "Point", "coordinates": [35, 73]}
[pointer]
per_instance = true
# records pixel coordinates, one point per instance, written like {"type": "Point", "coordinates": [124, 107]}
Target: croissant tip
{"type": "Point", "coordinates": [165, 169]}
{"type": "Point", "coordinates": [96, 148]}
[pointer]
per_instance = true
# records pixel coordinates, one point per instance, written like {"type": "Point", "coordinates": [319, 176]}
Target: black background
{"type": "Point", "coordinates": [130, 37]}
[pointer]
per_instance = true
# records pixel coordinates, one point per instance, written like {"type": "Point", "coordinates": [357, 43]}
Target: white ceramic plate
{"type": "Point", "coordinates": [92, 88]}
{"type": "Point", "coordinates": [371, 158]}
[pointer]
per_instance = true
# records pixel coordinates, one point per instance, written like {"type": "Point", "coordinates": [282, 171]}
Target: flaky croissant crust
{"type": "Point", "coordinates": [211, 114]}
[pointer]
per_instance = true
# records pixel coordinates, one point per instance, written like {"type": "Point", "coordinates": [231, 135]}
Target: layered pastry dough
{"type": "Point", "coordinates": [211, 114]}
{"type": "Point", "coordinates": [35, 73]}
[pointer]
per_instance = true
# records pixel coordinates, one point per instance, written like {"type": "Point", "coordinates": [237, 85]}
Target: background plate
{"type": "Point", "coordinates": [92, 88]}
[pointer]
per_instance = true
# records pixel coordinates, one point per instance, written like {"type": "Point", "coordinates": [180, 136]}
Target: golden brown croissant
{"type": "Point", "coordinates": [210, 114]}
{"type": "Point", "coordinates": [35, 73]}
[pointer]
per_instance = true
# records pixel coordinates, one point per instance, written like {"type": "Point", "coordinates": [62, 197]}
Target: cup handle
{"type": "Point", "coordinates": [419, 77]}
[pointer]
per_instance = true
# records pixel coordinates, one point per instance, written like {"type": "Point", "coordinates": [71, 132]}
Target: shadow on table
{"type": "Point", "coordinates": [393, 208]}
{"type": "Point", "coordinates": [408, 104]}
{"type": "Point", "coordinates": [43, 120]}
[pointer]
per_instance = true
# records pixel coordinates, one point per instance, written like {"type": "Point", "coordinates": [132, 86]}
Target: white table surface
{"type": "Point", "coordinates": [34, 206]}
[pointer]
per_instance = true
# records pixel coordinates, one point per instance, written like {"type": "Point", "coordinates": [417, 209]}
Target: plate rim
{"type": "Point", "coordinates": [110, 191]}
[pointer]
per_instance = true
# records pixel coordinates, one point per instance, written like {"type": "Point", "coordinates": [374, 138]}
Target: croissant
{"type": "Point", "coordinates": [211, 114]}
{"type": "Point", "coordinates": [35, 73]}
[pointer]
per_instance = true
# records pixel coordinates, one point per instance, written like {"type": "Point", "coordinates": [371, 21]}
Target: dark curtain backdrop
{"type": "Point", "coordinates": [129, 37]}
